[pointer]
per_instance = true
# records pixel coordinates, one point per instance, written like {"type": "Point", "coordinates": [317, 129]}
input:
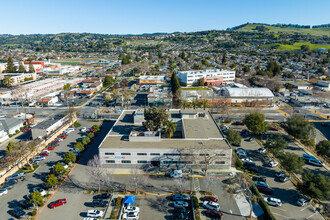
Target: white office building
{"type": "Point", "coordinates": [188, 78]}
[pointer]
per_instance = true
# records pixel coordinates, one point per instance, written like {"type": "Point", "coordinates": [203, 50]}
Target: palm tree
{"type": "Point", "coordinates": [205, 103]}
{"type": "Point", "coordinates": [195, 104]}
{"type": "Point", "coordinates": [170, 129]}
{"type": "Point", "coordinates": [184, 103]}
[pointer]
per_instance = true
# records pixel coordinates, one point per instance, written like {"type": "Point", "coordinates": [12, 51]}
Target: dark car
{"type": "Point", "coordinates": [249, 164]}
{"type": "Point", "coordinates": [180, 216]}
{"type": "Point", "coordinates": [12, 181]}
{"type": "Point", "coordinates": [279, 174]}
{"type": "Point", "coordinates": [214, 214]}
{"type": "Point", "coordinates": [265, 190]}
{"type": "Point", "coordinates": [181, 210]}
{"type": "Point", "coordinates": [251, 168]}
{"type": "Point", "coordinates": [25, 204]}
{"type": "Point", "coordinates": [259, 179]}
{"type": "Point", "coordinates": [8, 186]}
{"type": "Point", "coordinates": [103, 196]}
{"type": "Point", "coordinates": [284, 178]}
{"type": "Point", "coordinates": [99, 203]}
{"type": "Point", "coordinates": [18, 212]}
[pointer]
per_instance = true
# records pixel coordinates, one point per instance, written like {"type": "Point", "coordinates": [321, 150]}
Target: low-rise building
{"type": "Point", "coordinates": [18, 77]}
{"type": "Point", "coordinates": [151, 80]}
{"type": "Point", "coordinates": [325, 85]}
{"type": "Point", "coordinates": [11, 125]}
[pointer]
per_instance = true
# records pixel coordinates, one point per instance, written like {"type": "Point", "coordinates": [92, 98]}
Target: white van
{"type": "Point", "coordinates": [176, 173]}
{"type": "Point", "coordinates": [316, 162]}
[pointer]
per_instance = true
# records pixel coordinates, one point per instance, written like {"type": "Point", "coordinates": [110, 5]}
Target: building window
{"type": "Point", "coordinates": [125, 153]}
{"type": "Point", "coordinates": [201, 162]}
{"type": "Point", "coordinates": [154, 154]}
{"type": "Point", "coordinates": [142, 154]}
{"type": "Point", "coordinates": [171, 154]}
{"type": "Point", "coordinates": [221, 155]}
{"type": "Point", "coordinates": [220, 162]}
{"type": "Point", "coordinates": [109, 153]}
{"type": "Point", "coordinates": [125, 161]}
{"type": "Point", "coordinates": [110, 161]}
{"type": "Point", "coordinates": [203, 155]}
{"type": "Point", "coordinates": [142, 161]}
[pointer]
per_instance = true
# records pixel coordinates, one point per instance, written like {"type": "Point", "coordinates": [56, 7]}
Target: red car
{"type": "Point", "coordinates": [214, 214]}
{"type": "Point", "coordinates": [56, 141]}
{"type": "Point", "coordinates": [273, 129]}
{"type": "Point", "coordinates": [44, 154]}
{"type": "Point", "coordinates": [57, 203]}
{"type": "Point", "coordinates": [210, 199]}
{"type": "Point", "coordinates": [63, 136]}
{"type": "Point", "coordinates": [50, 148]}
{"type": "Point", "coordinates": [92, 130]}
{"type": "Point", "coordinates": [324, 124]}
{"type": "Point", "coordinates": [265, 190]}
{"type": "Point", "coordinates": [26, 129]}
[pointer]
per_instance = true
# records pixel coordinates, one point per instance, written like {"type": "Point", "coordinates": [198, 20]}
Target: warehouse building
{"type": "Point", "coordinates": [196, 142]}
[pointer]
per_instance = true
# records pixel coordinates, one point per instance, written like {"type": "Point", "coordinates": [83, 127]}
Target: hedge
{"type": "Point", "coordinates": [268, 214]}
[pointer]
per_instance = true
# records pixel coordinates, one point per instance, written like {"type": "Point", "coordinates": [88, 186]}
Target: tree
{"type": "Point", "coordinates": [194, 103]}
{"type": "Point", "coordinates": [184, 103]}
{"type": "Point", "coordinates": [126, 95]}
{"type": "Point", "coordinates": [201, 81]}
{"type": "Point", "coordinates": [246, 69]}
{"type": "Point", "coordinates": [155, 119]}
{"type": "Point", "coordinates": [21, 68]}
{"type": "Point", "coordinates": [51, 180]}
{"type": "Point", "coordinates": [59, 169]}
{"type": "Point", "coordinates": [108, 81]}
{"type": "Point", "coordinates": [300, 128]}
{"type": "Point", "coordinates": [176, 89]}
{"type": "Point", "coordinates": [224, 60]}
{"type": "Point", "coordinates": [10, 66]}
{"type": "Point", "coordinates": [245, 183]}
{"type": "Point", "coordinates": [275, 143]}
{"type": "Point", "coordinates": [255, 122]}
{"type": "Point", "coordinates": [78, 146]}
{"type": "Point", "coordinates": [292, 162]}
{"type": "Point", "coordinates": [205, 103]}
{"type": "Point", "coordinates": [96, 127]}
{"type": "Point", "coordinates": [7, 81]}
{"type": "Point", "coordinates": [66, 87]}
{"type": "Point", "coordinates": [316, 186]}
{"type": "Point", "coordinates": [170, 129]}
{"type": "Point", "coordinates": [234, 137]}
{"type": "Point", "coordinates": [10, 146]}
{"type": "Point", "coordinates": [31, 68]}
{"type": "Point", "coordinates": [95, 169]}
{"type": "Point", "coordinates": [85, 140]}
{"type": "Point", "coordinates": [69, 157]}
{"type": "Point", "coordinates": [137, 180]}
{"type": "Point", "coordinates": [323, 148]}
{"type": "Point", "coordinates": [36, 198]}
{"type": "Point", "coordinates": [90, 135]}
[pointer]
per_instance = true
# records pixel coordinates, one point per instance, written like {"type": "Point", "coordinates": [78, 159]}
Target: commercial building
{"type": "Point", "coordinates": [196, 142]}
{"type": "Point", "coordinates": [17, 78]}
{"type": "Point", "coordinates": [151, 80]}
{"type": "Point", "coordinates": [325, 85]}
{"type": "Point", "coordinates": [216, 76]}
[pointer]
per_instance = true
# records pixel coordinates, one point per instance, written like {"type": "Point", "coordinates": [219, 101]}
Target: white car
{"type": "Point", "coordinates": [45, 150]}
{"type": "Point", "coordinates": [42, 191]}
{"type": "Point", "coordinates": [39, 157]}
{"type": "Point", "coordinates": [272, 164]}
{"type": "Point", "coordinates": [211, 205]}
{"type": "Point", "coordinates": [131, 216]}
{"type": "Point", "coordinates": [58, 139]}
{"type": "Point", "coordinates": [246, 160]}
{"type": "Point", "coordinates": [95, 213]}
{"type": "Point", "coordinates": [83, 129]}
{"type": "Point", "coordinates": [273, 201]}
{"type": "Point", "coordinates": [88, 218]}
{"type": "Point", "coordinates": [261, 150]}
{"type": "Point", "coordinates": [132, 209]}
{"type": "Point", "coordinates": [69, 130]}
{"type": "Point", "coordinates": [3, 192]}
{"type": "Point", "coordinates": [33, 125]}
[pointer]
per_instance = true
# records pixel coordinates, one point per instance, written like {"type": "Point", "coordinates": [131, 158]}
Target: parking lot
{"type": "Point", "coordinates": [286, 191]}
{"type": "Point", "coordinates": [23, 188]}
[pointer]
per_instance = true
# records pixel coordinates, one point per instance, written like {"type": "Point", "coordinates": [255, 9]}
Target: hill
{"type": "Point", "coordinates": [290, 30]}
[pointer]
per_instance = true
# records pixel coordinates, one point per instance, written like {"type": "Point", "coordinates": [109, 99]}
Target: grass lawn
{"type": "Point", "coordinates": [296, 46]}
{"type": "Point", "coordinates": [194, 88]}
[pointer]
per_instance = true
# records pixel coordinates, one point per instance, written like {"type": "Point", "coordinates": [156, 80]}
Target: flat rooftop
{"type": "Point", "coordinates": [122, 142]}
{"type": "Point", "coordinates": [50, 121]}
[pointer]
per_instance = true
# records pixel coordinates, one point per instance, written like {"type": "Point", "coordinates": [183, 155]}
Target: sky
{"type": "Point", "coordinates": [150, 16]}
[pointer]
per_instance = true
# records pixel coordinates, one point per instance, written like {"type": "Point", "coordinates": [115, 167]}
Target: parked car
{"type": "Point", "coordinates": [51, 148]}
{"type": "Point", "coordinates": [176, 174]}
{"type": "Point", "coordinates": [59, 139]}
{"type": "Point", "coordinates": [284, 178]}
{"type": "Point", "coordinates": [178, 215]}
{"type": "Point", "coordinates": [57, 203]}
{"type": "Point", "coordinates": [63, 136]}
{"type": "Point", "coordinates": [244, 160]}
{"type": "Point", "coordinates": [3, 192]}
{"type": "Point", "coordinates": [95, 213]}
{"type": "Point", "coordinates": [8, 186]}
{"type": "Point", "coordinates": [214, 214]}
{"type": "Point", "coordinates": [251, 168]}
{"type": "Point", "coordinates": [25, 204]}
{"type": "Point", "coordinates": [39, 157]}
{"type": "Point", "coordinates": [259, 179]}
{"type": "Point", "coordinates": [18, 212]}
{"type": "Point", "coordinates": [132, 209]}
{"type": "Point", "coordinates": [83, 129]}
{"type": "Point", "coordinates": [45, 150]}
{"type": "Point", "coordinates": [44, 154]}
{"type": "Point", "coordinates": [265, 190]}
{"type": "Point", "coordinates": [33, 125]}
{"type": "Point", "coordinates": [272, 164]}
{"type": "Point", "coordinates": [26, 130]}
{"type": "Point", "coordinates": [324, 124]}
{"type": "Point", "coordinates": [181, 210]}
{"type": "Point", "coordinates": [131, 216]}
{"type": "Point", "coordinates": [177, 197]}
{"type": "Point", "coordinates": [180, 204]}
{"type": "Point", "coordinates": [210, 199]}
{"type": "Point", "coordinates": [41, 190]}
{"type": "Point", "coordinates": [250, 139]}
{"type": "Point", "coordinates": [16, 176]}
{"type": "Point", "coordinates": [99, 203]}
{"type": "Point", "coordinates": [261, 150]}
{"type": "Point", "coordinates": [261, 184]}
{"type": "Point", "coordinates": [280, 174]}
{"type": "Point", "coordinates": [273, 201]}
{"type": "Point", "coordinates": [12, 181]}
{"type": "Point", "coordinates": [36, 162]}
{"type": "Point", "coordinates": [273, 129]}
{"type": "Point", "coordinates": [307, 157]}
{"type": "Point", "coordinates": [249, 164]}
{"type": "Point", "coordinates": [103, 196]}
{"type": "Point", "coordinates": [211, 205]}
{"type": "Point", "coordinates": [315, 162]}
{"type": "Point", "coordinates": [303, 201]}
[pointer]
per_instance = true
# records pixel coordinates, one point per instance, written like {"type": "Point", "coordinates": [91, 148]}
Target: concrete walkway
{"type": "Point", "coordinates": [111, 204]}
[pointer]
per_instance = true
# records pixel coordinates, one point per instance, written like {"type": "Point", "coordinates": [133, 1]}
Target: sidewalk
{"type": "Point", "coordinates": [110, 207]}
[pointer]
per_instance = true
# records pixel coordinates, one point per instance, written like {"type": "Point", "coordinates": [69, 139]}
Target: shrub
{"type": "Point", "coordinates": [77, 124]}
{"type": "Point", "coordinates": [196, 203]}
{"type": "Point", "coordinates": [238, 162]}
{"type": "Point", "coordinates": [119, 201]}
{"type": "Point", "coordinates": [34, 212]}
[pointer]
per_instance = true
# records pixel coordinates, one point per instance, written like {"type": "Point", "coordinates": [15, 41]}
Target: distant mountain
{"type": "Point", "coordinates": [317, 30]}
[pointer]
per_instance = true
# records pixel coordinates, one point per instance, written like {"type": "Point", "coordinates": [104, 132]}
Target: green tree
{"type": "Point", "coordinates": [184, 103]}
{"type": "Point", "coordinates": [10, 66]}
{"type": "Point", "coordinates": [21, 68]}
{"type": "Point", "coordinates": [108, 81]}
{"type": "Point", "coordinates": [292, 162]}
{"type": "Point", "coordinates": [10, 146]}
{"type": "Point", "coordinates": [255, 122]}
{"type": "Point", "coordinates": [201, 81]}
{"type": "Point", "coordinates": [36, 198]}
{"type": "Point", "coordinates": [85, 140]}
{"type": "Point", "coordinates": [31, 68]}
{"type": "Point", "coordinates": [234, 137]}
{"type": "Point", "coordinates": [246, 69]}
{"type": "Point", "coordinates": [195, 103]}
{"type": "Point", "coordinates": [66, 87]}
{"type": "Point", "coordinates": [155, 119]}
{"type": "Point", "coordinates": [52, 180]}
{"type": "Point", "coordinates": [224, 59]}
{"type": "Point", "coordinates": [90, 135]}
{"type": "Point", "coordinates": [170, 129]}
{"type": "Point", "coordinates": [96, 127]}
{"type": "Point", "coordinates": [316, 186]}
{"type": "Point", "coordinates": [205, 103]}
{"type": "Point", "coordinates": [69, 157]}
{"type": "Point", "coordinates": [323, 148]}
{"type": "Point", "coordinates": [59, 169]}
{"type": "Point", "coordinates": [275, 143]}
{"type": "Point", "coordinates": [78, 146]}
{"type": "Point", "coordinates": [7, 81]}
{"type": "Point", "coordinates": [300, 128]}
{"type": "Point", "coordinates": [176, 89]}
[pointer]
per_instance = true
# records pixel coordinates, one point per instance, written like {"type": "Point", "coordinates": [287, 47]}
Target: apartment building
{"type": "Point", "coordinates": [189, 78]}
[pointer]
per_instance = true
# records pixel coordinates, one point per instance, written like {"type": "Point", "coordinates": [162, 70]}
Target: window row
{"type": "Point", "coordinates": [165, 154]}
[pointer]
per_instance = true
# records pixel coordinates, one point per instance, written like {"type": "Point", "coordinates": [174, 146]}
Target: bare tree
{"type": "Point", "coordinates": [138, 180]}
{"type": "Point", "coordinates": [95, 170]}
{"type": "Point", "coordinates": [246, 183]}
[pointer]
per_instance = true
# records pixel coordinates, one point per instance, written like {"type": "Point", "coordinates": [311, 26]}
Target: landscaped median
{"type": "Point", "coordinates": [116, 209]}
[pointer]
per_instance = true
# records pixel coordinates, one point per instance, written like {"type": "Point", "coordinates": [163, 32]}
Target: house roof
{"type": "Point", "coordinates": [46, 100]}
{"type": "Point", "coordinates": [87, 91]}
{"type": "Point", "coordinates": [93, 80]}
{"type": "Point", "coordinates": [96, 84]}
{"type": "Point", "coordinates": [11, 123]}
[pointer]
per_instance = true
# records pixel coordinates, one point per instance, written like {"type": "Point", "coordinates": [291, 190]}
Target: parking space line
{"type": "Point", "coordinates": [311, 215]}
{"type": "Point", "coordinates": [304, 208]}
{"type": "Point", "coordinates": [283, 210]}
{"type": "Point", "coordinates": [281, 215]}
